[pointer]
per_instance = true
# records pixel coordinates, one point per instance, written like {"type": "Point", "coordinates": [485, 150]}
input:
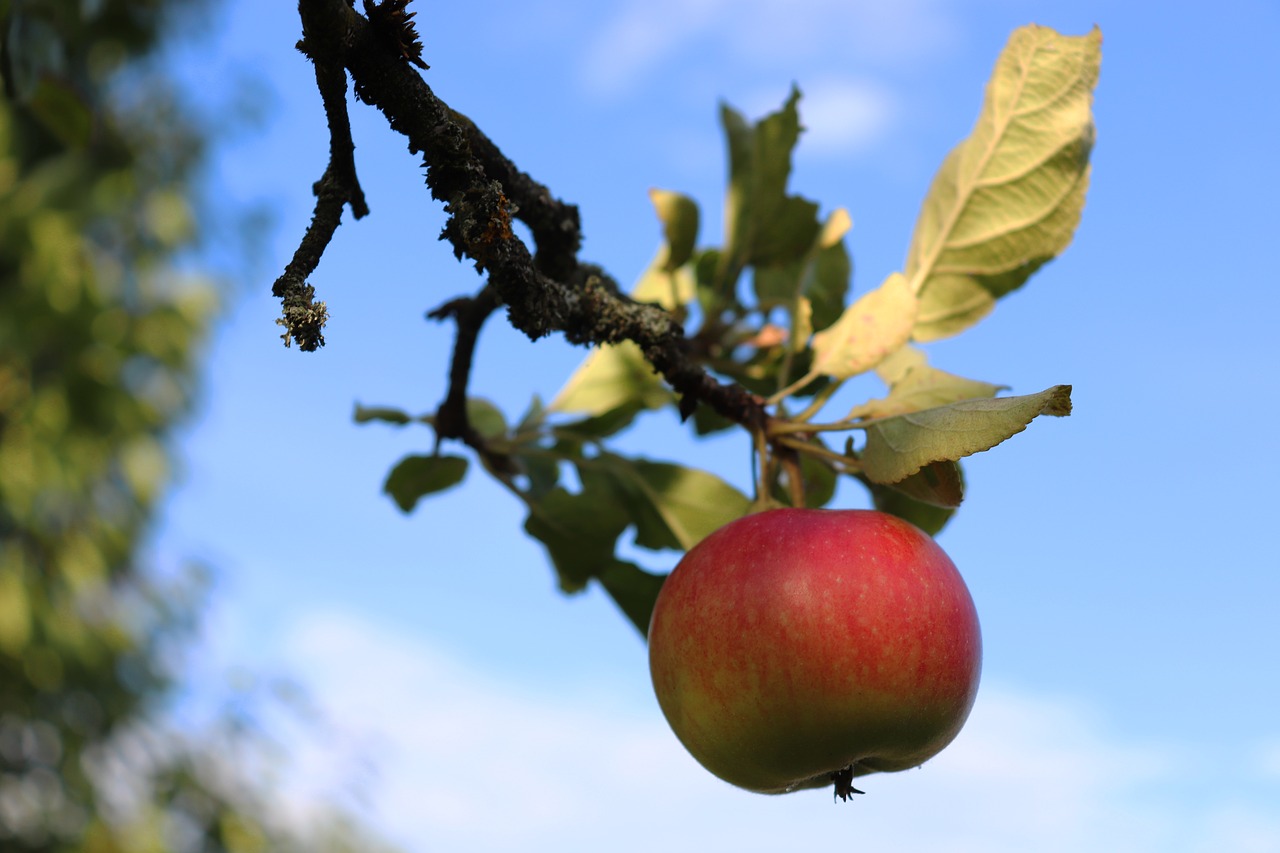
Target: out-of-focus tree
{"type": "Point", "coordinates": [101, 322]}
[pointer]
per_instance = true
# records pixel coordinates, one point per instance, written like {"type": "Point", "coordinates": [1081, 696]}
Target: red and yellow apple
{"type": "Point", "coordinates": [797, 647]}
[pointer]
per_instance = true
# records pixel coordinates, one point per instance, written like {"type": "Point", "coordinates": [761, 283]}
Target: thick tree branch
{"type": "Point", "coordinates": [482, 190]}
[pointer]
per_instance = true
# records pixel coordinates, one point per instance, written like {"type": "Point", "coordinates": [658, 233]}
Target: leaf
{"type": "Point", "coordinates": [671, 290]}
{"type": "Point", "coordinates": [598, 426]}
{"type": "Point", "coordinates": [819, 482]}
{"type": "Point", "coordinates": [679, 216]}
{"type": "Point", "coordinates": [914, 385]}
{"type": "Point", "coordinates": [634, 591]}
{"type": "Point", "coordinates": [763, 225]}
{"type": "Point", "coordinates": [612, 377]}
{"type": "Point", "coordinates": [579, 530]}
{"type": "Point", "coordinates": [876, 325]}
{"type": "Point", "coordinates": [486, 418]}
{"type": "Point", "coordinates": [672, 506]}
{"type": "Point", "coordinates": [413, 477]}
{"type": "Point", "coordinates": [64, 111]}
{"type": "Point", "coordinates": [1008, 198]}
{"type": "Point", "coordinates": [365, 414]}
{"type": "Point", "coordinates": [820, 277]}
{"type": "Point", "coordinates": [937, 484]}
{"type": "Point", "coordinates": [828, 280]}
{"type": "Point", "coordinates": [928, 517]}
{"type": "Point", "coordinates": [899, 446]}
{"type": "Point", "coordinates": [531, 420]}
{"type": "Point", "coordinates": [543, 472]}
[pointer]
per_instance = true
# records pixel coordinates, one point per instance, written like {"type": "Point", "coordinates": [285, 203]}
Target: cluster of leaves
{"type": "Point", "coordinates": [771, 312]}
{"type": "Point", "coordinates": [99, 340]}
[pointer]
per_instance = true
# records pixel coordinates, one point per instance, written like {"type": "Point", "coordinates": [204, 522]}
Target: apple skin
{"type": "Point", "coordinates": [794, 643]}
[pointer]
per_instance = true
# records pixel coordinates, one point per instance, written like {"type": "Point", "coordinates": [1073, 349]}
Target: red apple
{"type": "Point", "coordinates": [792, 646]}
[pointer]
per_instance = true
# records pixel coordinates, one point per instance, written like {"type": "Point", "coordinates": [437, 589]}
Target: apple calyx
{"type": "Point", "coordinates": [843, 780]}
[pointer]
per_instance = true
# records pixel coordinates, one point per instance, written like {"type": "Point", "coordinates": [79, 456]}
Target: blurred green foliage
{"type": "Point", "coordinates": [100, 334]}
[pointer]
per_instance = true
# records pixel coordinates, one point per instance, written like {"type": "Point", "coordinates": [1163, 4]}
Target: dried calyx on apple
{"type": "Point", "coordinates": [797, 648]}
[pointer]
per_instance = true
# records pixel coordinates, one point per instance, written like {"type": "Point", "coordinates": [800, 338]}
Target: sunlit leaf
{"type": "Point", "coordinates": [670, 289]}
{"type": "Point", "coordinates": [873, 327]}
{"type": "Point", "coordinates": [414, 477]}
{"type": "Point", "coordinates": [899, 446]}
{"type": "Point", "coordinates": [1008, 198]}
{"type": "Point", "coordinates": [914, 385]}
{"type": "Point", "coordinates": [679, 216]}
{"type": "Point", "coordinates": [611, 377]}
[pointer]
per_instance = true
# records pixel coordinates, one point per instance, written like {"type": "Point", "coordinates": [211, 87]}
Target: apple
{"type": "Point", "coordinates": [795, 648]}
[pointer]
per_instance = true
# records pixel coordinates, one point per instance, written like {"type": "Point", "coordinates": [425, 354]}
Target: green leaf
{"type": "Point", "coordinates": [899, 446]}
{"type": "Point", "coordinates": [672, 506]}
{"type": "Point", "coordinates": [828, 281]}
{"type": "Point", "coordinates": [878, 324]}
{"type": "Point", "coordinates": [597, 426]}
{"type": "Point", "coordinates": [486, 418]}
{"type": "Point", "coordinates": [938, 484]}
{"type": "Point", "coordinates": [531, 420]}
{"type": "Point", "coordinates": [612, 377]}
{"type": "Point", "coordinates": [928, 517]}
{"type": "Point", "coordinates": [365, 414]}
{"type": "Point", "coordinates": [679, 216]}
{"type": "Point", "coordinates": [543, 471]}
{"type": "Point", "coordinates": [820, 277]}
{"type": "Point", "coordinates": [763, 225]}
{"type": "Point", "coordinates": [413, 477]}
{"type": "Point", "coordinates": [634, 591]}
{"type": "Point", "coordinates": [1008, 198]}
{"type": "Point", "coordinates": [579, 530]}
{"type": "Point", "coordinates": [914, 385]}
{"type": "Point", "coordinates": [63, 111]}
{"type": "Point", "coordinates": [819, 482]}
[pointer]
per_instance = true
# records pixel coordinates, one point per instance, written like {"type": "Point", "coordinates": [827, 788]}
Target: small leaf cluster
{"type": "Point", "coordinates": [771, 308]}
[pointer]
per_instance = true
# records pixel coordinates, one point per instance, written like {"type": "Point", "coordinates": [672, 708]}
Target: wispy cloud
{"type": "Point", "coordinates": [844, 115]}
{"type": "Point", "coordinates": [469, 762]}
{"type": "Point", "coordinates": [643, 36]}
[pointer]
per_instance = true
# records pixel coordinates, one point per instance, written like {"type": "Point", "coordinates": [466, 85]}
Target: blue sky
{"type": "Point", "coordinates": [1122, 560]}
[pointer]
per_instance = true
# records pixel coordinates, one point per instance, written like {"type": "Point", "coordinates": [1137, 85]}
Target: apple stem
{"type": "Point", "coordinates": [843, 780]}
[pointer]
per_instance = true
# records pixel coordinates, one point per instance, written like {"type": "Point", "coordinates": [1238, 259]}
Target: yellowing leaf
{"type": "Point", "coordinates": [897, 447]}
{"type": "Point", "coordinates": [870, 329]}
{"type": "Point", "coordinates": [668, 289]}
{"type": "Point", "coordinates": [679, 215]}
{"type": "Point", "coordinates": [914, 385]}
{"type": "Point", "coordinates": [1008, 199]}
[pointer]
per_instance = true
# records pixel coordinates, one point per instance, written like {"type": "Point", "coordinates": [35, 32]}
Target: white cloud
{"type": "Point", "coordinates": [644, 34]}
{"type": "Point", "coordinates": [469, 762]}
{"type": "Point", "coordinates": [844, 116]}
